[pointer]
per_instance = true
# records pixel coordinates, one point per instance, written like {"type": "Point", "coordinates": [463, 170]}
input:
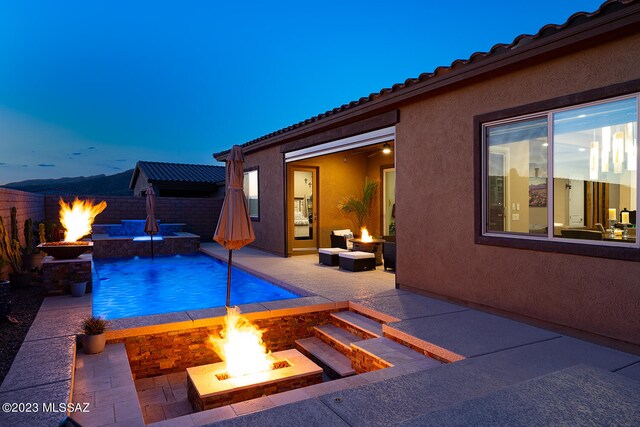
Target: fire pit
{"type": "Point", "coordinates": [366, 243]}
{"type": "Point", "coordinates": [210, 386]}
{"type": "Point", "coordinates": [65, 250]}
{"type": "Point", "coordinates": [76, 219]}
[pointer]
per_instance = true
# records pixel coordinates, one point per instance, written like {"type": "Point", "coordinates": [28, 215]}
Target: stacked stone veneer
{"type": "Point", "coordinates": [200, 215]}
{"type": "Point", "coordinates": [364, 362]}
{"type": "Point", "coordinates": [174, 351]}
{"type": "Point", "coordinates": [426, 352]}
{"type": "Point", "coordinates": [57, 273]}
{"type": "Point", "coordinates": [202, 404]}
{"type": "Point", "coordinates": [126, 247]}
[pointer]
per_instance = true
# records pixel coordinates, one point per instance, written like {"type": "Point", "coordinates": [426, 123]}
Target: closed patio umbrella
{"type": "Point", "coordinates": [234, 228]}
{"type": "Point", "coordinates": [150, 225]}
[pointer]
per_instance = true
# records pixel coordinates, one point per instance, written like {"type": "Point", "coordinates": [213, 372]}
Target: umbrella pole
{"type": "Point", "coordinates": [229, 279]}
{"type": "Point", "coordinates": [151, 246]}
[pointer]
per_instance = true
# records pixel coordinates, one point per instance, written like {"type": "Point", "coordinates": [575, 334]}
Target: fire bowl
{"type": "Point", "coordinates": [210, 387]}
{"type": "Point", "coordinates": [65, 250]}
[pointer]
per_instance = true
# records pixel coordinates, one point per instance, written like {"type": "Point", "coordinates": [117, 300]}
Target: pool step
{"type": "Point", "coordinates": [334, 363]}
{"type": "Point", "coordinates": [336, 337]}
{"type": "Point", "coordinates": [357, 324]}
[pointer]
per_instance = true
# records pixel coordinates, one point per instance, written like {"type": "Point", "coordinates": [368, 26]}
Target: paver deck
{"type": "Point", "coordinates": [610, 399]}
{"type": "Point", "coordinates": [498, 356]}
{"type": "Point", "coordinates": [402, 398]}
{"type": "Point", "coordinates": [402, 307]}
{"type": "Point", "coordinates": [468, 333]}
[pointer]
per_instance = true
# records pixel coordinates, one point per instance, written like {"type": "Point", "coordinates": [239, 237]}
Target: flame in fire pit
{"type": "Point", "coordinates": [365, 236]}
{"type": "Point", "coordinates": [77, 218]}
{"type": "Point", "coordinates": [240, 346]}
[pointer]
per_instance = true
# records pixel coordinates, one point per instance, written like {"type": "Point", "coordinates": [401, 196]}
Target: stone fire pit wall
{"type": "Point", "coordinates": [160, 353]}
{"type": "Point", "coordinates": [57, 272]}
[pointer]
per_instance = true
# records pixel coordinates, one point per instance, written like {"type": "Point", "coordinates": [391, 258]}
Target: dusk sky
{"type": "Point", "coordinates": [91, 87]}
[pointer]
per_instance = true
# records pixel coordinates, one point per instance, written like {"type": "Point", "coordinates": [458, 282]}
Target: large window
{"type": "Point", "coordinates": [250, 187]}
{"type": "Point", "coordinates": [568, 175]}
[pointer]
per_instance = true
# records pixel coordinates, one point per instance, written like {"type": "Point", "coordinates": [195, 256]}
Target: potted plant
{"type": "Point", "coordinates": [94, 338]}
{"type": "Point", "coordinates": [360, 209]}
{"type": "Point", "coordinates": [78, 285]}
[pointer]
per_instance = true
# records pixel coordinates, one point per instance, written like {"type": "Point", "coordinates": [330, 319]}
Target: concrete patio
{"type": "Point", "coordinates": [507, 372]}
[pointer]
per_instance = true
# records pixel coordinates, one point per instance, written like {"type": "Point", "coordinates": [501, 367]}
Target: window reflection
{"type": "Point", "coordinates": [517, 177]}
{"type": "Point", "coordinates": [595, 177]}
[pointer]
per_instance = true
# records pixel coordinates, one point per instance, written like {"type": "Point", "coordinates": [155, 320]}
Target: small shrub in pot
{"type": "Point", "coordinates": [94, 338]}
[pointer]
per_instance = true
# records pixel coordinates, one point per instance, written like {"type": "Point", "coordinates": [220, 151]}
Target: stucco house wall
{"type": "Point", "coordinates": [440, 252]}
{"type": "Point", "coordinates": [436, 252]}
{"type": "Point", "coordinates": [270, 228]}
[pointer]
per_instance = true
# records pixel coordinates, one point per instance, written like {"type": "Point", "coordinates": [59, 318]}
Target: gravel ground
{"type": "Point", "coordinates": [24, 307]}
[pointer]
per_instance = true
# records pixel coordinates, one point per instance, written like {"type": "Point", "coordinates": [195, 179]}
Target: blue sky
{"type": "Point", "coordinates": [92, 87]}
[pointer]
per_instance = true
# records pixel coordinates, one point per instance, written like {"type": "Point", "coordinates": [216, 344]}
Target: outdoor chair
{"type": "Point", "coordinates": [339, 239]}
{"type": "Point", "coordinates": [357, 261]}
{"type": "Point", "coordinates": [389, 255]}
{"type": "Point", "coordinates": [329, 256]}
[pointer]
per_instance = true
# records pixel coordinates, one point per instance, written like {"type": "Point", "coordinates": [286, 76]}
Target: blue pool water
{"type": "Point", "coordinates": [141, 286]}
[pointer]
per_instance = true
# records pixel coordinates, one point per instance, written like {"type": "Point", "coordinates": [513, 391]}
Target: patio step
{"type": "Point", "coordinates": [387, 352]}
{"type": "Point", "coordinates": [358, 324]}
{"type": "Point", "coordinates": [336, 337]}
{"type": "Point", "coordinates": [326, 356]}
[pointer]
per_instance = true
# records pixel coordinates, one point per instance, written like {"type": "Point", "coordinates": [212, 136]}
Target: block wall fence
{"type": "Point", "coordinates": [199, 214]}
{"type": "Point", "coordinates": [28, 205]}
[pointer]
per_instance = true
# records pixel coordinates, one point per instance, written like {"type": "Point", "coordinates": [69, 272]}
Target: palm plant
{"type": "Point", "coordinates": [360, 209]}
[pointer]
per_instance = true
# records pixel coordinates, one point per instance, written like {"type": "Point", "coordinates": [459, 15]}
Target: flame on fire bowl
{"type": "Point", "coordinates": [65, 250]}
{"type": "Point", "coordinates": [205, 390]}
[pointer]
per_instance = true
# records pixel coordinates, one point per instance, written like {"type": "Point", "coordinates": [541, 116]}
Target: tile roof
{"type": "Point", "coordinates": [579, 18]}
{"type": "Point", "coordinates": [179, 172]}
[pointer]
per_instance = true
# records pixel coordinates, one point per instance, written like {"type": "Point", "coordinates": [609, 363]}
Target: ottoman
{"type": "Point", "coordinates": [357, 261]}
{"type": "Point", "coordinates": [329, 256]}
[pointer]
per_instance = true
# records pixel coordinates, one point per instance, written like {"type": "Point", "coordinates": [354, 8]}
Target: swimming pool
{"type": "Point", "coordinates": [141, 286]}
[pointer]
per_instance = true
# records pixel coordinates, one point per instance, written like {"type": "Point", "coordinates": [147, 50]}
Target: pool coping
{"type": "Point", "coordinates": [167, 322]}
{"type": "Point", "coordinates": [176, 235]}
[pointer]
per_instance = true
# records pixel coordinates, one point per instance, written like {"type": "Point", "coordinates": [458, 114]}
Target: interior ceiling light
{"type": "Point", "coordinates": [631, 146]}
{"type": "Point", "coordinates": [618, 151]}
{"type": "Point", "coordinates": [606, 148]}
{"type": "Point", "coordinates": [386, 148]}
{"type": "Point", "coordinates": [593, 161]}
